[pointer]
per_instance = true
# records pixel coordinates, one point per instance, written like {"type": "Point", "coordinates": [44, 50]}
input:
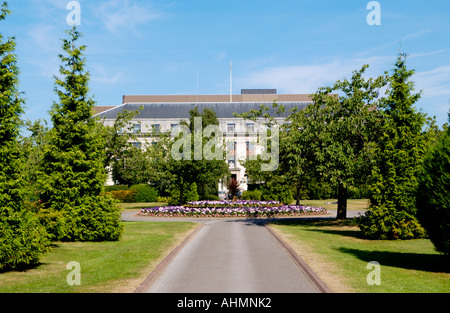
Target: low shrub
{"type": "Point", "coordinates": [22, 240]}
{"type": "Point", "coordinates": [382, 223]}
{"type": "Point", "coordinates": [116, 187]}
{"type": "Point", "coordinates": [93, 219]}
{"type": "Point", "coordinates": [144, 193]}
{"type": "Point", "coordinates": [124, 196]}
{"type": "Point", "coordinates": [190, 194]}
{"type": "Point", "coordinates": [252, 195]}
{"type": "Point", "coordinates": [162, 199]}
{"type": "Point", "coordinates": [211, 198]}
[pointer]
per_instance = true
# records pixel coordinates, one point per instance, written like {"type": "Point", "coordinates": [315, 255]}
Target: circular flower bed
{"type": "Point", "coordinates": [240, 208]}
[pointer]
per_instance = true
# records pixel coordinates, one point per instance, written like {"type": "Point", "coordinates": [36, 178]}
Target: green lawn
{"type": "Point", "coordinates": [330, 204]}
{"type": "Point", "coordinates": [337, 254]}
{"type": "Point", "coordinates": [105, 267]}
{"type": "Point", "coordinates": [139, 206]}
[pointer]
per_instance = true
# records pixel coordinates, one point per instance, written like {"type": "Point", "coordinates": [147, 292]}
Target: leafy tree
{"type": "Point", "coordinates": [398, 161]}
{"type": "Point", "coordinates": [433, 201]}
{"type": "Point", "coordinates": [118, 137]}
{"type": "Point", "coordinates": [133, 167]}
{"type": "Point", "coordinates": [202, 171]}
{"type": "Point", "coordinates": [331, 139]}
{"type": "Point", "coordinates": [73, 167]}
{"type": "Point", "coordinates": [22, 238]}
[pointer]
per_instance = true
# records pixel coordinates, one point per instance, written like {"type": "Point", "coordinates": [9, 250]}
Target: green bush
{"type": "Point", "coordinates": [433, 197]}
{"type": "Point", "coordinates": [162, 199]}
{"type": "Point", "coordinates": [116, 187]}
{"type": "Point", "coordinates": [144, 193]}
{"type": "Point", "coordinates": [387, 224]}
{"type": "Point", "coordinates": [277, 192]}
{"type": "Point", "coordinates": [94, 219]}
{"type": "Point", "coordinates": [252, 195]}
{"type": "Point", "coordinates": [211, 198]}
{"type": "Point", "coordinates": [22, 240]}
{"type": "Point", "coordinates": [123, 196]}
{"type": "Point", "coordinates": [190, 194]}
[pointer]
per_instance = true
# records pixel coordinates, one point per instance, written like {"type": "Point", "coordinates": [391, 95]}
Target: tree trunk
{"type": "Point", "coordinates": [342, 203]}
{"type": "Point", "coordinates": [180, 201]}
{"type": "Point", "coordinates": [297, 202]}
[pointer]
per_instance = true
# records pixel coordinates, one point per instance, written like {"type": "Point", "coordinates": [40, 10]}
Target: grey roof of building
{"type": "Point", "coordinates": [181, 110]}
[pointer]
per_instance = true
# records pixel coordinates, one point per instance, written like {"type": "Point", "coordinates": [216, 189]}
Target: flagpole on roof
{"type": "Point", "coordinates": [231, 81]}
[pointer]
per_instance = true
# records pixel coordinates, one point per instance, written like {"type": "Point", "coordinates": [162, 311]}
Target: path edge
{"type": "Point", "coordinates": [149, 280]}
{"type": "Point", "coordinates": [317, 282]}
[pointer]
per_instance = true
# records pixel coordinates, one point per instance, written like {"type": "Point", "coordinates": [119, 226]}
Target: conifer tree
{"type": "Point", "coordinates": [74, 175]}
{"type": "Point", "coordinates": [433, 201]}
{"type": "Point", "coordinates": [22, 238]}
{"type": "Point", "coordinates": [399, 157]}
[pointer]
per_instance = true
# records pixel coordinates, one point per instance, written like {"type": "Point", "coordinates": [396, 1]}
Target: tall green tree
{"type": "Point", "coordinates": [335, 134]}
{"type": "Point", "coordinates": [22, 238]}
{"type": "Point", "coordinates": [399, 157]}
{"type": "Point", "coordinates": [74, 173]}
{"type": "Point", "coordinates": [203, 171]}
{"type": "Point", "coordinates": [433, 201]}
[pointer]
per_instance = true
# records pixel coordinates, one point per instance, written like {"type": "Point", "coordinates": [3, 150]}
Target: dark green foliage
{"type": "Point", "coordinates": [201, 171]}
{"type": "Point", "coordinates": [433, 199]}
{"type": "Point", "coordinates": [122, 195]}
{"type": "Point", "coordinates": [383, 223]}
{"type": "Point", "coordinates": [398, 160]}
{"type": "Point", "coordinates": [274, 190]}
{"type": "Point", "coordinates": [22, 238]}
{"type": "Point", "coordinates": [189, 195]}
{"type": "Point", "coordinates": [145, 193]}
{"type": "Point", "coordinates": [132, 168]}
{"type": "Point", "coordinates": [252, 195]}
{"type": "Point", "coordinates": [73, 173]}
{"type": "Point", "coordinates": [210, 198]}
{"type": "Point", "coordinates": [92, 219]}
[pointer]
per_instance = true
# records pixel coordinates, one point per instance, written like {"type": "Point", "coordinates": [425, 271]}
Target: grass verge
{"type": "Point", "coordinates": [331, 204]}
{"type": "Point", "coordinates": [105, 266]}
{"type": "Point", "coordinates": [339, 256]}
{"type": "Point", "coordinates": [139, 206]}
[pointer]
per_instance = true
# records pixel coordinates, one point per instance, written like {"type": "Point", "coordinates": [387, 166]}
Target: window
{"type": "Point", "coordinates": [173, 126]}
{"type": "Point", "coordinates": [250, 149]}
{"type": "Point", "coordinates": [137, 144]}
{"type": "Point", "coordinates": [136, 128]}
{"type": "Point", "coordinates": [156, 128]}
{"type": "Point", "coordinates": [250, 127]}
{"type": "Point", "coordinates": [231, 128]}
{"type": "Point", "coordinates": [231, 149]}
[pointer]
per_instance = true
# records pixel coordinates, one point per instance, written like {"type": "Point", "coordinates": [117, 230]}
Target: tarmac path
{"type": "Point", "coordinates": [231, 256]}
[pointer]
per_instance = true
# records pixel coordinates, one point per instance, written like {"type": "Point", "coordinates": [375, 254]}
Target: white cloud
{"type": "Point", "coordinates": [119, 15]}
{"type": "Point", "coordinates": [308, 78]}
{"type": "Point", "coordinates": [435, 82]}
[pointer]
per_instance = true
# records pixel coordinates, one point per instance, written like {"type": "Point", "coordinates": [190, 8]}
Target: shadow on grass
{"type": "Point", "coordinates": [413, 261]}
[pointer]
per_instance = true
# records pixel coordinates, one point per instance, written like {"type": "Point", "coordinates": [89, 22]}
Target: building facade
{"type": "Point", "coordinates": [164, 113]}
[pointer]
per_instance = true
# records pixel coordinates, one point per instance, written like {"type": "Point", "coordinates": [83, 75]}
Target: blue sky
{"type": "Point", "coordinates": [160, 47]}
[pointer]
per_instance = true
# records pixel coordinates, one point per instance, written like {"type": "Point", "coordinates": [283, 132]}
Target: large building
{"type": "Point", "coordinates": [163, 113]}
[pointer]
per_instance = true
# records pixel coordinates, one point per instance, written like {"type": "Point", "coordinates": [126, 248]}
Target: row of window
{"type": "Point", "coordinates": [231, 149]}
{"type": "Point", "coordinates": [231, 128]}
